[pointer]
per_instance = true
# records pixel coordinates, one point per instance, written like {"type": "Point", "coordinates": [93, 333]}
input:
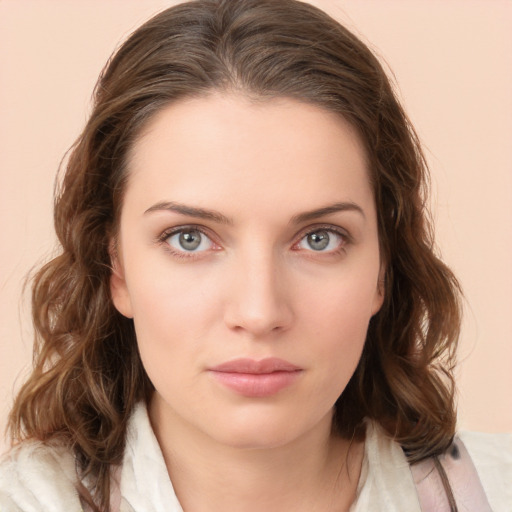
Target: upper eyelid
{"type": "Point", "coordinates": [166, 233]}
{"type": "Point", "coordinates": [326, 227]}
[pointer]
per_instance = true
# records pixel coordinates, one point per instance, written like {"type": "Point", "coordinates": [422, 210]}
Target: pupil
{"type": "Point", "coordinates": [190, 240]}
{"type": "Point", "coordinates": [319, 240]}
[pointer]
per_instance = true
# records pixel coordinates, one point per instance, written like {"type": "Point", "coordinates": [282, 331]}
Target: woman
{"type": "Point", "coordinates": [247, 303]}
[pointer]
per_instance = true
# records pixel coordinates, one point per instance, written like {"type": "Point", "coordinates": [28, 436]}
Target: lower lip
{"type": "Point", "coordinates": [257, 384]}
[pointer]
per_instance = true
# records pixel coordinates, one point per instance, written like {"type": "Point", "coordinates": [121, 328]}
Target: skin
{"type": "Point", "coordinates": [254, 288]}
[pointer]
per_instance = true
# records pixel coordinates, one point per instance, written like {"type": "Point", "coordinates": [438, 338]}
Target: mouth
{"type": "Point", "coordinates": [252, 378]}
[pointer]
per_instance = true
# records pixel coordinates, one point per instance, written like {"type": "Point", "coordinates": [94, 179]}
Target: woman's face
{"type": "Point", "coordinates": [248, 257]}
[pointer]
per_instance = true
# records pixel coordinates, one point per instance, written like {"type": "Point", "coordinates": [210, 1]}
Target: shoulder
{"type": "Point", "coordinates": [489, 449]}
{"type": "Point", "coordinates": [36, 476]}
{"type": "Point", "coordinates": [478, 468]}
{"type": "Point", "coordinates": [492, 456]}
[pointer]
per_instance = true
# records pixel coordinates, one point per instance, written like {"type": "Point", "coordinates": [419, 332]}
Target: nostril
{"type": "Point", "coordinates": [273, 321]}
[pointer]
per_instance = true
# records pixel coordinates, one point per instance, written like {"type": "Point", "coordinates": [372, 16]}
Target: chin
{"type": "Point", "coordinates": [264, 430]}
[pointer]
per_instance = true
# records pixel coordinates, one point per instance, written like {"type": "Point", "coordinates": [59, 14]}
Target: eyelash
{"type": "Point", "coordinates": [345, 237]}
{"type": "Point", "coordinates": [164, 236]}
{"type": "Point", "coordinates": [162, 239]}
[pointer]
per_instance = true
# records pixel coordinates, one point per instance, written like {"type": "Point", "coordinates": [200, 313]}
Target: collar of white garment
{"type": "Point", "coordinates": [145, 484]}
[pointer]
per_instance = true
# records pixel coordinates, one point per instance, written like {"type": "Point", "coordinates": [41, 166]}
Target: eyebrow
{"type": "Point", "coordinates": [190, 211]}
{"type": "Point", "coordinates": [327, 210]}
{"type": "Point", "coordinates": [215, 216]}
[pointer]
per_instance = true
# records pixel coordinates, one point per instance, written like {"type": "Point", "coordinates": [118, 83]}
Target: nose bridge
{"type": "Point", "coordinates": [259, 301]}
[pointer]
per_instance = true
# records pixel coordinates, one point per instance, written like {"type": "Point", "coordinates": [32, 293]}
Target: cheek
{"type": "Point", "coordinates": [344, 305]}
{"type": "Point", "coordinates": [172, 314]}
{"type": "Point", "coordinates": [337, 319]}
{"type": "Point", "coordinates": [165, 295]}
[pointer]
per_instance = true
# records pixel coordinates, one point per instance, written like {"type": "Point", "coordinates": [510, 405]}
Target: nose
{"type": "Point", "coordinates": [259, 298]}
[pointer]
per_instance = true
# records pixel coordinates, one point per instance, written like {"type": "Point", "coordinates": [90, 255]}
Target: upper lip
{"type": "Point", "coordinates": [245, 365]}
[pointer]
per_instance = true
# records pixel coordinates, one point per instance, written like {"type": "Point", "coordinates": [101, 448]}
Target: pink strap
{"type": "Point", "coordinates": [462, 475]}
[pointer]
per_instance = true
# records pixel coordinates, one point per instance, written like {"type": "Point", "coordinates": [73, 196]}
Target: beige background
{"type": "Point", "coordinates": [451, 59]}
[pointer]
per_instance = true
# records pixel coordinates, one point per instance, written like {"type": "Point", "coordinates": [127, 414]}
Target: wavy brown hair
{"type": "Point", "coordinates": [87, 372]}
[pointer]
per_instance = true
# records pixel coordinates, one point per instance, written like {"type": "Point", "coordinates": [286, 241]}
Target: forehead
{"type": "Point", "coordinates": [222, 147]}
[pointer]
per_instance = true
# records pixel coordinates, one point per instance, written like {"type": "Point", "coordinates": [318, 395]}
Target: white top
{"type": "Point", "coordinates": [35, 477]}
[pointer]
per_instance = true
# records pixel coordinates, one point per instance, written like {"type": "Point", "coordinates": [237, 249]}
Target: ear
{"type": "Point", "coordinates": [118, 288]}
{"type": "Point", "coordinates": [380, 291]}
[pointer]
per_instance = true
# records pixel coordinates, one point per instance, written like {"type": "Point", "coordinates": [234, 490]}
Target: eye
{"type": "Point", "coordinates": [189, 240]}
{"type": "Point", "coordinates": [322, 240]}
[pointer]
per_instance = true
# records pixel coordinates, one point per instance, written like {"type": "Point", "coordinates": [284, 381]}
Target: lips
{"type": "Point", "coordinates": [252, 378]}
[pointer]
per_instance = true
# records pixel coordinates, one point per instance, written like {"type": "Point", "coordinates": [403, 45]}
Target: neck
{"type": "Point", "coordinates": [318, 471]}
